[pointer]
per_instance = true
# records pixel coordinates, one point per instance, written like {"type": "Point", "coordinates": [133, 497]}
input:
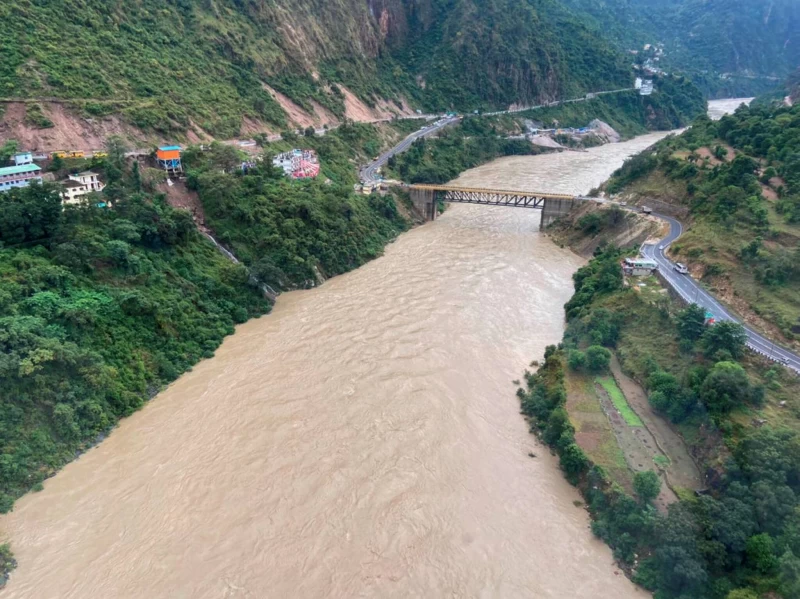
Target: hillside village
{"type": "Point", "coordinates": [78, 186]}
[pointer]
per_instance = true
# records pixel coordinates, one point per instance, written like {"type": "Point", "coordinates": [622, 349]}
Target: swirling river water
{"type": "Point", "coordinates": [363, 440]}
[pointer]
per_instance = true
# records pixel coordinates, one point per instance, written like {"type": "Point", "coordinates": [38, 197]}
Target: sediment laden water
{"type": "Point", "coordinates": [362, 440]}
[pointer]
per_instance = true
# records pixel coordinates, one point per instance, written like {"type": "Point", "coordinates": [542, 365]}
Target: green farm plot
{"type": "Point", "coordinates": [619, 401]}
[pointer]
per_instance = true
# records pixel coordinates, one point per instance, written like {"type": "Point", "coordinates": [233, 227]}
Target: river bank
{"type": "Point", "coordinates": [360, 439]}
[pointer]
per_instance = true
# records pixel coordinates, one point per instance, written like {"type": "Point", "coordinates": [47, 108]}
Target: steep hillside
{"type": "Point", "coordinates": [476, 53]}
{"type": "Point", "coordinates": [477, 140]}
{"type": "Point", "coordinates": [736, 183]}
{"type": "Point", "coordinates": [732, 47]}
{"type": "Point", "coordinates": [218, 66]}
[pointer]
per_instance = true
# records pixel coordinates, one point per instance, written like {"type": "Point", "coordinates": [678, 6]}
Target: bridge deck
{"type": "Point", "coordinates": [495, 192]}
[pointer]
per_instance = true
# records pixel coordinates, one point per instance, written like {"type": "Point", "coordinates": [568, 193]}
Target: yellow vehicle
{"type": "Point", "coordinates": [68, 154]}
{"type": "Point", "coordinates": [100, 154]}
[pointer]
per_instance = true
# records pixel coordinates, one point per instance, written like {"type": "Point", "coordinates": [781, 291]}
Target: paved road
{"type": "Point", "coordinates": [589, 96]}
{"type": "Point", "coordinates": [369, 173]}
{"type": "Point", "coordinates": [692, 291]}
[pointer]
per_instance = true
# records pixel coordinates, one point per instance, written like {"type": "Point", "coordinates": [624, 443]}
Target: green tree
{"type": "Point", "coordinates": [56, 164]}
{"type": "Point", "coordinates": [115, 189]}
{"type": "Point", "coordinates": [574, 462]}
{"type": "Point", "coordinates": [30, 213]}
{"type": "Point", "coordinates": [647, 486]}
{"type": "Point", "coordinates": [598, 358]}
{"type": "Point", "coordinates": [725, 388]}
{"type": "Point", "coordinates": [224, 157]}
{"type": "Point", "coordinates": [742, 594]}
{"type": "Point", "coordinates": [790, 574]}
{"type": "Point", "coordinates": [761, 553]}
{"type": "Point", "coordinates": [576, 359]}
{"type": "Point", "coordinates": [7, 150]}
{"type": "Point", "coordinates": [691, 322]}
{"type": "Point", "coordinates": [726, 336]}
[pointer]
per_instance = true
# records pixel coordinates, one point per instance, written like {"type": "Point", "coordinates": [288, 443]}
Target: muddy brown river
{"type": "Point", "coordinates": [363, 440]}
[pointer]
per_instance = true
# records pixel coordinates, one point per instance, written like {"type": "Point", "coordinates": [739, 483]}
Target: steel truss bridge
{"type": "Point", "coordinates": [489, 197]}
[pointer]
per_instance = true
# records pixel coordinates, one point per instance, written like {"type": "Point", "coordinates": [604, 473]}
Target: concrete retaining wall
{"type": "Point", "coordinates": [554, 209]}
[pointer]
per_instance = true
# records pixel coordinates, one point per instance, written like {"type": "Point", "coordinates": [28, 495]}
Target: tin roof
{"type": "Point", "coordinates": [18, 170]}
{"type": "Point", "coordinates": [168, 148]}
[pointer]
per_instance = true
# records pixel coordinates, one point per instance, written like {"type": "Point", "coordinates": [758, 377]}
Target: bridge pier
{"type": "Point", "coordinates": [424, 201]}
{"type": "Point", "coordinates": [554, 208]}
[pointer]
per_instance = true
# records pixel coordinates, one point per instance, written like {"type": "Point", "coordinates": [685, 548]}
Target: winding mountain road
{"type": "Point", "coordinates": [369, 173]}
{"type": "Point", "coordinates": [693, 292]}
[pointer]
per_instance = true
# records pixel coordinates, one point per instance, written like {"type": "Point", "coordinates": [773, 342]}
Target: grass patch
{"type": "Point", "coordinates": [619, 401]}
{"type": "Point", "coordinates": [662, 461]}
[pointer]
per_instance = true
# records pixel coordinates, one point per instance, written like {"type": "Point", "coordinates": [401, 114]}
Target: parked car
{"type": "Point", "coordinates": [681, 268]}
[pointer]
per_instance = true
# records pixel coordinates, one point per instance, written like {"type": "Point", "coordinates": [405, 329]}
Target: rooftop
{"type": "Point", "coordinates": [168, 148]}
{"type": "Point", "coordinates": [71, 183]}
{"type": "Point", "coordinates": [18, 170]}
{"type": "Point", "coordinates": [87, 174]}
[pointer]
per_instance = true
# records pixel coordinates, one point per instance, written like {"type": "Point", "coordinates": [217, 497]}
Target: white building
{"type": "Point", "coordinates": [23, 158]}
{"type": "Point", "coordinates": [80, 185]}
{"type": "Point", "coordinates": [638, 266]}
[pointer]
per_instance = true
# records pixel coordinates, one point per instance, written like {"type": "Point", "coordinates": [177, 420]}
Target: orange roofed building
{"type": "Point", "coordinates": [169, 158]}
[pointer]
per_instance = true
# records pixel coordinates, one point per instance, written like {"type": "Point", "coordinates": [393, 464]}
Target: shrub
{"type": "Point", "coordinates": [598, 359]}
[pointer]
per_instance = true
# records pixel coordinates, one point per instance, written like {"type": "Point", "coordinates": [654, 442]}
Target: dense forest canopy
{"type": "Point", "coordinates": [731, 47]}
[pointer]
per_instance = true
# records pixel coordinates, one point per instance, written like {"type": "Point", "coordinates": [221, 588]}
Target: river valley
{"type": "Point", "coordinates": [362, 440]}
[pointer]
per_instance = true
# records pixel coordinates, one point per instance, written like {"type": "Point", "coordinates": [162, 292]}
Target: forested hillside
{"type": "Point", "coordinates": [169, 67]}
{"type": "Point", "coordinates": [101, 307]}
{"type": "Point", "coordinates": [739, 537]}
{"type": "Point", "coordinates": [478, 140]}
{"type": "Point", "coordinates": [473, 53]}
{"type": "Point", "coordinates": [753, 43]}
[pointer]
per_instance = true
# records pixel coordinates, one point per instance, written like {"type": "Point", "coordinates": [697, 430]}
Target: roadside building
{"type": "Point", "coordinates": [23, 158]}
{"type": "Point", "coordinates": [298, 164]}
{"type": "Point", "coordinates": [169, 159]}
{"type": "Point", "coordinates": [638, 267]}
{"type": "Point", "coordinates": [19, 176]}
{"type": "Point", "coordinates": [80, 185]}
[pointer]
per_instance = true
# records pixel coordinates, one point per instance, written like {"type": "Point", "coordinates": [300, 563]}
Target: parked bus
{"type": "Point", "coordinates": [68, 154]}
